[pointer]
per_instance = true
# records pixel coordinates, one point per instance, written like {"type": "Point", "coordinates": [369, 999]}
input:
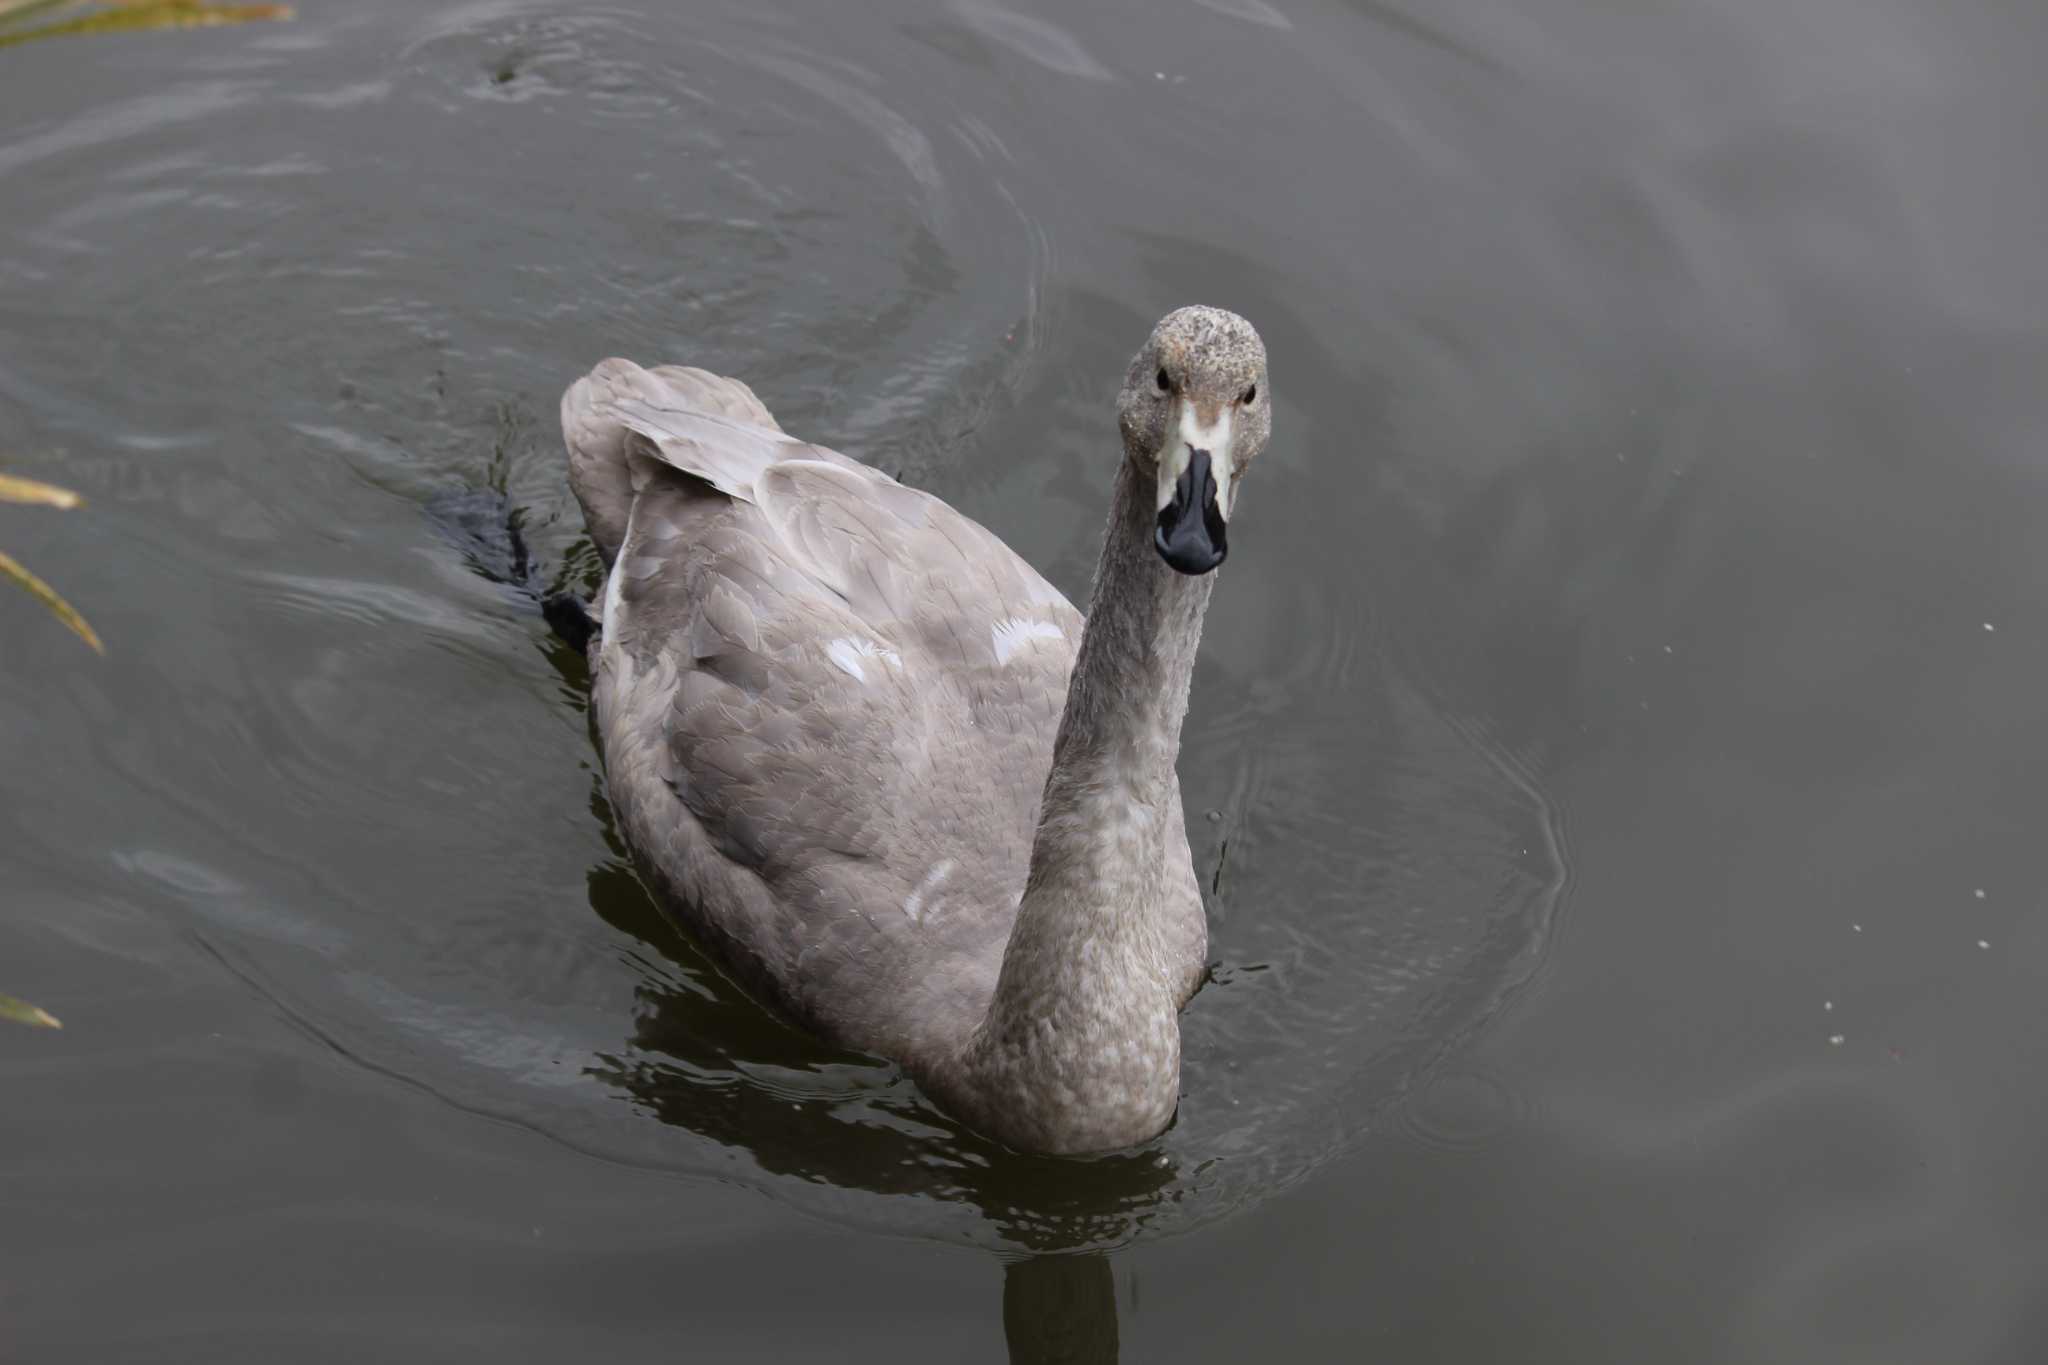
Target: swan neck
{"type": "Point", "coordinates": [1080, 1048]}
{"type": "Point", "coordinates": [1128, 695]}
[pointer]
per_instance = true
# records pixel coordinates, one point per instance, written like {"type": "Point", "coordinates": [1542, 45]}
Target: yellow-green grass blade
{"type": "Point", "coordinates": [10, 567]}
{"type": "Point", "coordinates": [14, 10]}
{"type": "Point", "coordinates": [21, 1012]}
{"type": "Point", "coordinates": [41, 494]}
{"type": "Point", "coordinates": [129, 18]}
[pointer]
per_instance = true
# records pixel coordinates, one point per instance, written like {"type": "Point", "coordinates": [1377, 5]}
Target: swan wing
{"type": "Point", "coordinates": [828, 704]}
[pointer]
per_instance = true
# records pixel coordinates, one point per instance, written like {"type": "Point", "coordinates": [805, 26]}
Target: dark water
{"type": "Point", "coordinates": [1617, 756]}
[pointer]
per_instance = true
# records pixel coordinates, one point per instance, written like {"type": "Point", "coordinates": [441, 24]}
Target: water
{"type": "Point", "coordinates": [1615, 756]}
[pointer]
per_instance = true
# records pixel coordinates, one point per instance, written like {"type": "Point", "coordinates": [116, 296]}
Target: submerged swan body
{"type": "Point", "coordinates": [883, 769]}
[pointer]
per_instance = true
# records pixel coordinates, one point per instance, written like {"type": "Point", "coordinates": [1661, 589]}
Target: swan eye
{"type": "Point", "coordinates": [1164, 380]}
{"type": "Point", "coordinates": [1251, 395]}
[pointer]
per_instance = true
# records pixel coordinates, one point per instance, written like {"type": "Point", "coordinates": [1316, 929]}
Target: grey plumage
{"type": "Point", "coordinates": [838, 735]}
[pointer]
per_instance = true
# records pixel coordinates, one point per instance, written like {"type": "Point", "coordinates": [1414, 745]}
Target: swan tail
{"type": "Point", "coordinates": [619, 418]}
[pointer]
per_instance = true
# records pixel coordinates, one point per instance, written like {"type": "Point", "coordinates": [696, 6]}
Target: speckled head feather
{"type": "Point", "coordinates": [1209, 356]}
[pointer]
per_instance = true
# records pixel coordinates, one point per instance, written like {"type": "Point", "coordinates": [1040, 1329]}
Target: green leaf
{"type": "Point", "coordinates": [149, 14]}
{"type": "Point", "coordinates": [10, 567]}
{"type": "Point", "coordinates": [21, 1012]}
{"type": "Point", "coordinates": [12, 10]}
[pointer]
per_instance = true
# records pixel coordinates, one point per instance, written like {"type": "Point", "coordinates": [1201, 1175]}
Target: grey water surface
{"type": "Point", "coordinates": [1617, 759]}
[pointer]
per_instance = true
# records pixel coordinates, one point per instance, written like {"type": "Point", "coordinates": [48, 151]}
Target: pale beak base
{"type": "Point", "coordinates": [1194, 492]}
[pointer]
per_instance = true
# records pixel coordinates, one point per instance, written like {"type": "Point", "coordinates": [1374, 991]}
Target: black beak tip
{"type": "Point", "coordinates": [1190, 534]}
{"type": "Point", "coordinates": [1191, 555]}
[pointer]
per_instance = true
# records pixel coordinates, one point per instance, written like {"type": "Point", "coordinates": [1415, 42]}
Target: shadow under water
{"type": "Point", "coordinates": [1060, 1310]}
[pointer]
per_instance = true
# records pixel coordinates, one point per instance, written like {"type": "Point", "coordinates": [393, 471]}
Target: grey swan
{"type": "Point", "coordinates": [883, 770]}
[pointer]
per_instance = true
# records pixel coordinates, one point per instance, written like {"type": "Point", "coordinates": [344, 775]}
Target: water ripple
{"type": "Point", "coordinates": [1034, 39]}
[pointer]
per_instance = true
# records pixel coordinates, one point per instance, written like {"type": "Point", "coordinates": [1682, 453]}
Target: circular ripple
{"type": "Point", "coordinates": [1462, 1111]}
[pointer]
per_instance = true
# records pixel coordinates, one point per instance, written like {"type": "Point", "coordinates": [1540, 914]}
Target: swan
{"type": "Point", "coordinates": [884, 770]}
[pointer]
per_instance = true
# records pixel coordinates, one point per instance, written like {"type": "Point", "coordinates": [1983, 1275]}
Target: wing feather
{"type": "Point", "coordinates": [819, 691]}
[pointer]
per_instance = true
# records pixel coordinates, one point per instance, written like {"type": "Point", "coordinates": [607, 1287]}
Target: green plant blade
{"type": "Point", "coordinates": [10, 567]}
{"type": "Point", "coordinates": [167, 14]}
{"type": "Point", "coordinates": [40, 494]}
{"type": "Point", "coordinates": [21, 1012]}
{"type": "Point", "coordinates": [14, 10]}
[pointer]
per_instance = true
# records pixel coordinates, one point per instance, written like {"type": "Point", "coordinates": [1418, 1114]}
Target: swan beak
{"type": "Point", "coordinates": [1194, 492]}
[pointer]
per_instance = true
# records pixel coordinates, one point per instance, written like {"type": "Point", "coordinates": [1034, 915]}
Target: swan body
{"type": "Point", "coordinates": [874, 761]}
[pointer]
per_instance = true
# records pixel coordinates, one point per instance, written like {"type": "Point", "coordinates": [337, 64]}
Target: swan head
{"type": "Point", "coordinates": [1195, 413]}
